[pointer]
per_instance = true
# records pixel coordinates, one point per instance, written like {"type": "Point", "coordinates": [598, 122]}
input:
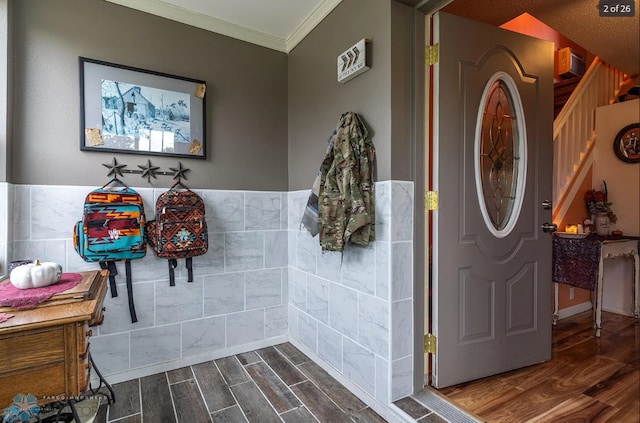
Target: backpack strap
{"type": "Point", "coordinates": [111, 267]}
{"type": "Point", "coordinates": [132, 308]}
{"type": "Point", "coordinates": [189, 269]}
{"type": "Point", "coordinates": [173, 263]}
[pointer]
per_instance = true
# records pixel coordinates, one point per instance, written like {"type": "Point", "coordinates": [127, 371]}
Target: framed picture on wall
{"type": "Point", "coordinates": [131, 110]}
{"type": "Point", "coordinates": [626, 144]}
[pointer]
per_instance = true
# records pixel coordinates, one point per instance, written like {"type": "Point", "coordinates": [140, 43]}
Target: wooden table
{"type": "Point", "coordinates": [44, 350]}
{"type": "Point", "coordinates": [583, 267]}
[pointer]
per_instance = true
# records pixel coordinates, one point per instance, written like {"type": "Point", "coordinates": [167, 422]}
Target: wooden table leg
{"type": "Point", "coordinates": [598, 307]}
{"type": "Point", "coordinates": [636, 285]}
{"type": "Point", "coordinates": [554, 316]}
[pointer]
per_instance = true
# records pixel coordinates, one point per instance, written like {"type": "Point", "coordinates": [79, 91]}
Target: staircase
{"type": "Point", "coordinates": [573, 130]}
{"type": "Point", "coordinates": [562, 92]}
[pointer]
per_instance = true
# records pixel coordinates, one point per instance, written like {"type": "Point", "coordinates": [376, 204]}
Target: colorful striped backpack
{"type": "Point", "coordinates": [113, 228]}
{"type": "Point", "coordinates": [179, 229]}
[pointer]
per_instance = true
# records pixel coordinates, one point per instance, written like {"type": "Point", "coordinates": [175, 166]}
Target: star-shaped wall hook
{"type": "Point", "coordinates": [149, 171]}
{"type": "Point", "coordinates": [115, 169]}
{"type": "Point", "coordinates": [179, 172]}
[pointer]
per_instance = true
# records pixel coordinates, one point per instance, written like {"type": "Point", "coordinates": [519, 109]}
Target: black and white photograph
{"type": "Point", "coordinates": [132, 110]}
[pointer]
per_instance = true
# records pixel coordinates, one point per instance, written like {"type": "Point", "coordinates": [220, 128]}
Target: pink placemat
{"type": "Point", "coordinates": [5, 316]}
{"type": "Point", "coordinates": [10, 296]}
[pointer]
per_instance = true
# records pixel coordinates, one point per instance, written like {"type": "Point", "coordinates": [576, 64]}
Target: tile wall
{"type": "Point", "coordinates": [4, 221]}
{"type": "Point", "coordinates": [354, 310]}
{"type": "Point", "coordinates": [238, 298]}
{"type": "Point", "coordinates": [264, 280]}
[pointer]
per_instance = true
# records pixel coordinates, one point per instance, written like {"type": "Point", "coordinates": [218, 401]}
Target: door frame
{"type": "Point", "coordinates": [426, 91]}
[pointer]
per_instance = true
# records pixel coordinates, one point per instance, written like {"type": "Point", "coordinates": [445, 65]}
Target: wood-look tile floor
{"type": "Point", "coordinates": [273, 384]}
{"type": "Point", "coordinates": [588, 379]}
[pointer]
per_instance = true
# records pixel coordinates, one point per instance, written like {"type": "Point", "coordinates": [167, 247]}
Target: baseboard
{"type": "Point", "coordinates": [573, 310]}
{"type": "Point", "coordinates": [191, 360]}
{"type": "Point", "coordinates": [618, 311]}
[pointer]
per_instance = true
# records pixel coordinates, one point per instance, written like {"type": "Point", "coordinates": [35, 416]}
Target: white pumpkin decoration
{"type": "Point", "coordinates": [36, 275]}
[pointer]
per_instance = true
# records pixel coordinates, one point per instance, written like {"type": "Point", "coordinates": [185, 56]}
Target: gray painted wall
{"type": "Point", "coordinates": [382, 96]}
{"type": "Point", "coordinates": [402, 92]}
{"type": "Point", "coordinates": [5, 89]}
{"type": "Point", "coordinates": [267, 125]}
{"type": "Point", "coordinates": [246, 95]}
{"type": "Point", "coordinates": [316, 99]}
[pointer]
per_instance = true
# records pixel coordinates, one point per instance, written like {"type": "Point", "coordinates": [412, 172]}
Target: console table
{"type": "Point", "coordinates": [44, 350]}
{"type": "Point", "coordinates": [579, 262]}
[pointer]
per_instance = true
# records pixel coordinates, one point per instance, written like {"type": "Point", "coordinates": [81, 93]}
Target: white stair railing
{"type": "Point", "coordinates": [573, 129]}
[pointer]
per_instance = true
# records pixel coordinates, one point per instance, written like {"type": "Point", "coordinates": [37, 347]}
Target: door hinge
{"type": "Point", "coordinates": [431, 55]}
{"type": "Point", "coordinates": [430, 344]}
{"type": "Point", "coordinates": [431, 200]}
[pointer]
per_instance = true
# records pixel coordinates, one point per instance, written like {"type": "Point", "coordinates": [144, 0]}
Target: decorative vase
{"type": "Point", "coordinates": [602, 223]}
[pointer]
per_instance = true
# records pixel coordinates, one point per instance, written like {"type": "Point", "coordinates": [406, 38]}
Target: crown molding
{"type": "Point", "coordinates": [311, 21]}
{"type": "Point", "coordinates": [198, 20]}
{"type": "Point", "coordinates": [219, 26]}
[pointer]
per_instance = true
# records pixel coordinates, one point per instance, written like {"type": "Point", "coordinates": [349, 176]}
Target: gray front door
{"type": "Point", "coordinates": [492, 168]}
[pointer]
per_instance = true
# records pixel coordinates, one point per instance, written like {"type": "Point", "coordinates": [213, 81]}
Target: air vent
{"type": "Point", "coordinates": [569, 63]}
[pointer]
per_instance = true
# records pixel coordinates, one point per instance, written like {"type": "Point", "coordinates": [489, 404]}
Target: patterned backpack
{"type": "Point", "coordinates": [179, 229]}
{"type": "Point", "coordinates": [112, 228]}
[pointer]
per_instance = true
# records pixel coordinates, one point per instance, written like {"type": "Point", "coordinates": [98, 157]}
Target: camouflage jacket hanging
{"type": "Point", "coordinates": [346, 204]}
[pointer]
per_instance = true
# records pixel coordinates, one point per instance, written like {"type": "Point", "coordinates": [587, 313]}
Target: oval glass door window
{"type": "Point", "coordinates": [500, 154]}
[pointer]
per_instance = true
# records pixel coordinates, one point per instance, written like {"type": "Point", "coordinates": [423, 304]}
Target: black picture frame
{"type": "Point", "coordinates": [137, 111]}
{"type": "Point", "coordinates": [626, 144]}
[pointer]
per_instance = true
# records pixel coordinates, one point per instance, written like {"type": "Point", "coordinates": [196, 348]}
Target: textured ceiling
{"type": "Point", "coordinates": [615, 40]}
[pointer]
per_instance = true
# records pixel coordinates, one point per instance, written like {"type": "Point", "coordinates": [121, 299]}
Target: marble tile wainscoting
{"type": "Point", "coordinates": [4, 230]}
{"type": "Point", "coordinates": [263, 281]}
{"type": "Point", "coordinates": [354, 310]}
{"type": "Point", "coordinates": [237, 301]}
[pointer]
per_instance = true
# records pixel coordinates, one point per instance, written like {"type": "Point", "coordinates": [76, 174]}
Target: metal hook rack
{"type": "Point", "coordinates": [146, 171]}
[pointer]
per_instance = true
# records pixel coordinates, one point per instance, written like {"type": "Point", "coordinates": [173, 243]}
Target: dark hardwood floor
{"type": "Point", "coordinates": [588, 379]}
{"type": "Point", "coordinates": [274, 384]}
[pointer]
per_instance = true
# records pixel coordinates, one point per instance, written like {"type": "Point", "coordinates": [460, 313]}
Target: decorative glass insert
{"type": "Point", "coordinates": [499, 149]}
